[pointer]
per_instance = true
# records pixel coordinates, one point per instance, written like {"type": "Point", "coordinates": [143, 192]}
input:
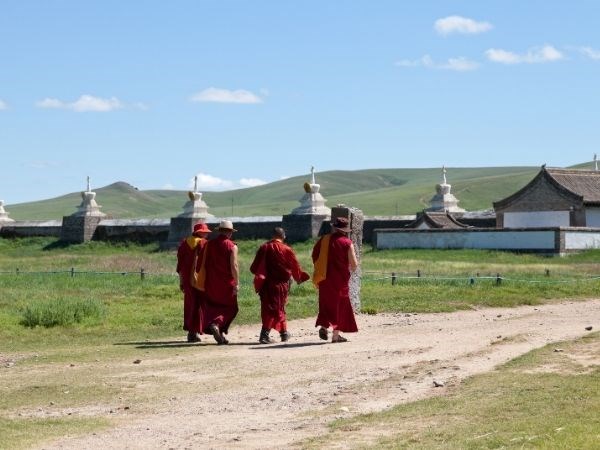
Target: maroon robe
{"type": "Point", "coordinates": [335, 309]}
{"type": "Point", "coordinates": [274, 265]}
{"type": "Point", "coordinates": [192, 297]}
{"type": "Point", "coordinates": [220, 304]}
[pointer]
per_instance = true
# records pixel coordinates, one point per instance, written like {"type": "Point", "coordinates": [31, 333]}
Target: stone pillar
{"type": "Point", "coordinates": [79, 229]}
{"type": "Point", "coordinates": [302, 227]}
{"type": "Point", "coordinates": [81, 226]}
{"type": "Point", "coordinates": [356, 219]}
{"type": "Point", "coordinates": [180, 228]}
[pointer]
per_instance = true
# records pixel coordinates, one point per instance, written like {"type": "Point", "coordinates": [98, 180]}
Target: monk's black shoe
{"type": "Point", "coordinates": [285, 336]}
{"type": "Point", "coordinates": [193, 337]}
{"type": "Point", "coordinates": [264, 337]}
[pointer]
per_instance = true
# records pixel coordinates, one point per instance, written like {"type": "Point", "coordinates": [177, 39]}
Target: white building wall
{"type": "Point", "coordinates": [536, 219]}
{"type": "Point", "coordinates": [592, 217]}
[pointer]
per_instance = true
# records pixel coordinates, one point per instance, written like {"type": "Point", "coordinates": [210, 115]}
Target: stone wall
{"type": "Point", "coordinates": [298, 228]}
{"type": "Point", "coordinates": [31, 228]}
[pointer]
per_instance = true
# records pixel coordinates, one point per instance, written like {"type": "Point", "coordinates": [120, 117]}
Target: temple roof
{"type": "Point", "coordinates": [583, 185]}
{"type": "Point", "coordinates": [441, 219]}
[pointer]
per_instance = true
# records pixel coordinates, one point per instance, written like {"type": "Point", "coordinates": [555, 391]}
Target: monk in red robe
{"type": "Point", "coordinates": [334, 257]}
{"type": "Point", "coordinates": [187, 253]}
{"type": "Point", "coordinates": [274, 265]}
{"type": "Point", "coordinates": [218, 277]}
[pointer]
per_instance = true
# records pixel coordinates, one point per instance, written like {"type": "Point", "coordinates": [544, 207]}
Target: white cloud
{"type": "Point", "coordinates": [85, 103]}
{"type": "Point", "coordinates": [544, 54]}
{"type": "Point", "coordinates": [590, 52]}
{"type": "Point", "coordinates": [284, 177]}
{"type": "Point", "coordinates": [251, 182]}
{"type": "Point", "coordinates": [459, 24]}
{"type": "Point", "coordinates": [168, 187]}
{"type": "Point", "coordinates": [210, 182]}
{"type": "Point", "coordinates": [216, 95]}
{"type": "Point", "coordinates": [460, 64]}
{"type": "Point", "coordinates": [3, 105]}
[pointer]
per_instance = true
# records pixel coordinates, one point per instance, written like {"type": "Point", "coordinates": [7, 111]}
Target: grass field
{"type": "Point", "coordinates": [106, 297]}
{"type": "Point", "coordinates": [87, 314]}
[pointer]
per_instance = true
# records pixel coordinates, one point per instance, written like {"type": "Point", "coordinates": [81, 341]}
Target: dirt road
{"type": "Point", "coordinates": [246, 395]}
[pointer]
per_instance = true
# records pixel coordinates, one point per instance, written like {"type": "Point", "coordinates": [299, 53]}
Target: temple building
{"type": "Point", "coordinates": [554, 198]}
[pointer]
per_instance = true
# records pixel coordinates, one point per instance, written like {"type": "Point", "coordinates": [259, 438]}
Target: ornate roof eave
{"type": "Point", "coordinates": [427, 217]}
{"type": "Point", "coordinates": [543, 173]}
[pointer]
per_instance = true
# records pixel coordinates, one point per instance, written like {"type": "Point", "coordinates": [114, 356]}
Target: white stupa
{"type": "Point", "coordinates": [312, 202]}
{"type": "Point", "coordinates": [88, 206]}
{"type": "Point", "coordinates": [3, 214]}
{"type": "Point", "coordinates": [443, 200]}
{"type": "Point", "coordinates": [195, 207]}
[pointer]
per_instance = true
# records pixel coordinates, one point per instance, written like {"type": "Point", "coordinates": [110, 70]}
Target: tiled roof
{"type": "Point", "coordinates": [585, 183]}
{"type": "Point", "coordinates": [441, 219]}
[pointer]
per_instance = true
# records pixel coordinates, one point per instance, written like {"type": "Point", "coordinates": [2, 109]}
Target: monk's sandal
{"type": "Point", "coordinates": [323, 333]}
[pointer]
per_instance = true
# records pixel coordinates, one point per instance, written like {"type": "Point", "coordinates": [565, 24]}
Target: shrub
{"type": "Point", "coordinates": [61, 312]}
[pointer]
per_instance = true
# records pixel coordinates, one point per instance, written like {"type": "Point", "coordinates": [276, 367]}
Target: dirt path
{"type": "Point", "coordinates": [252, 396]}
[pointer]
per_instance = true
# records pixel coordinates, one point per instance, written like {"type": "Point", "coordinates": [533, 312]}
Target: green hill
{"type": "Point", "coordinates": [375, 191]}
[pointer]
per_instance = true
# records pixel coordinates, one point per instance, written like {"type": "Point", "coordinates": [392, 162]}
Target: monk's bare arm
{"type": "Point", "coordinates": [235, 271]}
{"type": "Point", "coordinates": [352, 258]}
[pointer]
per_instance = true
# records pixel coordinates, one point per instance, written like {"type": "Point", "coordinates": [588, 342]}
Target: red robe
{"type": "Point", "coordinates": [192, 297]}
{"type": "Point", "coordinates": [335, 309]}
{"type": "Point", "coordinates": [274, 265]}
{"type": "Point", "coordinates": [220, 305]}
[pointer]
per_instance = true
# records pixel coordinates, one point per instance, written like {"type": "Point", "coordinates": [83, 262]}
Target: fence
{"type": "Point", "coordinates": [367, 276]}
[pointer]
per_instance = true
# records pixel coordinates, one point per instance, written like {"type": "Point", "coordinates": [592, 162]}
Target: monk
{"type": "Point", "coordinates": [218, 277]}
{"type": "Point", "coordinates": [334, 257]}
{"type": "Point", "coordinates": [274, 265]}
{"type": "Point", "coordinates": [187, 252]}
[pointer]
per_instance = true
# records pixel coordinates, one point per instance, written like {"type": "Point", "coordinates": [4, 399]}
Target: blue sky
{"type": "Point", "coordinates": [246, 92]}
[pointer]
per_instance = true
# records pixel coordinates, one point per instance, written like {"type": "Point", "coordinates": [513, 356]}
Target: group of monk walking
{"type": "Point", "coordinates": [209, 279]}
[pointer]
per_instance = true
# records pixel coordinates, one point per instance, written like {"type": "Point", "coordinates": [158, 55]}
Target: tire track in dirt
{"type": "Point", "coordinates": [252, 396]}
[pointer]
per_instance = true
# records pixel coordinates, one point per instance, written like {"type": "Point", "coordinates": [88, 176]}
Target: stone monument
{"type": "Point", "coordinates": [443, 200]}
{"type": "Point", "coordinates": [80, 226]}
{"type": "Point", "coordinates": [4, 215]}
{"type": "Point", "coordinates": [596, 162]}
{"type": "Point", "coordinates": [356, 219]}
{"type": "Point", "coordinates": [195, 210]}
{"type": "Point", "coordinates": [305, 221]}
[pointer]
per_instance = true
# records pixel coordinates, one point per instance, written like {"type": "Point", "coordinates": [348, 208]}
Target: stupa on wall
{"type": "Point", "coordinates": [312, 202]}
{"type": "Point", "coordinates": [444, 200]}
{"type": "Point", "coordinates": [3, 214]}
{"type": "Point", "coordinates": [305, 221]}
{"type": "Point", "coordinates": [88, 206]}
{"type": "Point", "coordinates": [195, 207]}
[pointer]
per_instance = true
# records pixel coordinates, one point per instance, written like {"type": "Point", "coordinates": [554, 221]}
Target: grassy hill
{"type": "Point", "coordinates": [375, 191]}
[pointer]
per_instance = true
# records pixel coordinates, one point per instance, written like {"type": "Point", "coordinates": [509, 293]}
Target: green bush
{"type": "Point", "coordinates": [61, 312]}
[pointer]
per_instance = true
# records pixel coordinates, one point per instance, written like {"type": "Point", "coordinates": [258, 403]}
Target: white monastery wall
{"type": "Point", "coordinates": [535, 219]}
{"type": "Point", "coordinates": [592, 217]}
{"type": "Point", "coordinates": [579, 240]}
{"type": "Point", "coordinates": [493, 239]}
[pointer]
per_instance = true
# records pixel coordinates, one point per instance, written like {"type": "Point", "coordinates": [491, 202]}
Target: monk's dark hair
{"type": "Point", "coordinates": [279, 233]}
